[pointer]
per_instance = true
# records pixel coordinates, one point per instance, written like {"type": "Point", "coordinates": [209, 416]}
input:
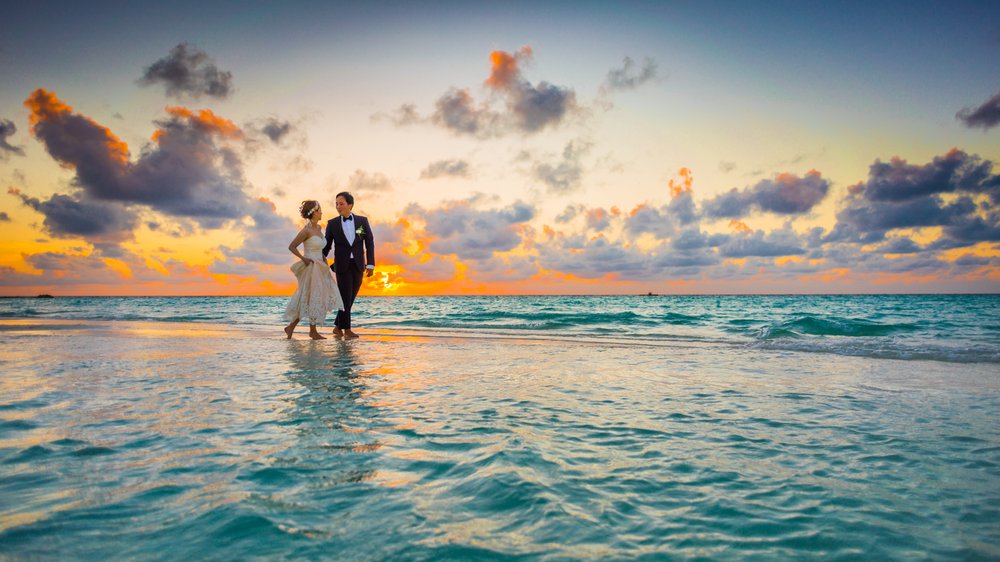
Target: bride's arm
{"type": "Point", "coordinates": [294, 246]}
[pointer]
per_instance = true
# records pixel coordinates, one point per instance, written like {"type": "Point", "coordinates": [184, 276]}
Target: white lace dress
{"type": "Point", "coordinates": [317, 293]}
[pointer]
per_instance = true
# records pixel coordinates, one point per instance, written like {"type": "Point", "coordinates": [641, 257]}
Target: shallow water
{"type": "Point", "coordinates": [127, 440]}
{"type": "Point", "coordinates": [952, 328]}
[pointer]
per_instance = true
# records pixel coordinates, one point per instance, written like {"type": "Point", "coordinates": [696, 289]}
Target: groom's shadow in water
{"type": "Point", "coordinates": [331, 415]}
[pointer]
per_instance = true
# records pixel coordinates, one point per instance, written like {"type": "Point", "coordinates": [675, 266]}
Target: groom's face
{"type": "Point", "coordinates": [343, 208]}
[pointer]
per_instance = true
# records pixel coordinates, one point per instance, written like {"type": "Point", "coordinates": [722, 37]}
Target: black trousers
{"type": "Point", "coordinates": [349, 282]}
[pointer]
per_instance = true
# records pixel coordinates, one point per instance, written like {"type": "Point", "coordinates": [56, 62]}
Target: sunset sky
{"type": "Point", "coordinates": [503, 148]}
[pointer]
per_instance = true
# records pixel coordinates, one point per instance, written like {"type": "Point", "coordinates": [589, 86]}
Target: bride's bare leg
{"type": "Point", "coordinates": [314, 334]}
{"type": "Point", "coordinates": [291, 327]}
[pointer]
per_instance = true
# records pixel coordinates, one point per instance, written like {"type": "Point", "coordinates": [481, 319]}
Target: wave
{"type": "Point", "coordinates": [885, 349]}
{"type": "Point", "coordinates": [544, 321]}
{"type": "Point", "coordinates": [811, 325]}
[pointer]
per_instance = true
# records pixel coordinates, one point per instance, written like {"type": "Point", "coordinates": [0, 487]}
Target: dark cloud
{"type": "Point", "coordinates": [7, 130]}
{"type": "Point", "coordinates": [784, 242]}
{"type": "Point", "coordinates": [628, 77]}
{"type": "Point", "coordinates": [690, 239]}
{"type": "Point", "coordinates": [503, 269]}
{"type": "Point", "coordinates": [901, 195]}
{"type": "Point", "coordinates": [4, 217]}
{"type": "Point", "coordinates": [682, 208]}
{"type": "Point", "coordinates": [954, 172]}
{"type": "Point", "coordinates": [276, 130]}
{"type": "Point", "coordinates": [100, 222]}
{"type": "Point", "coordinates": [529, 108]}
{"type": "Point", "coordinates": [190, 171]}
{"type": "Point", "coordinates": [458, 112]}
{"type": "Point", "coordinates": [536, 107]}
{"type": "Point", "coordinates": [974, 229]}
{"type": "Point", "coordinates": [449, 168]}
{"type": "Point", "coordinates": [663, 221]}
{"type": "Point", "coordinates": [565, 175]}
{"type": "Point", "coordinates": [786, 194]}
{"type": "Point", "coordinates": [684, 262]}
{"type": "Point", "coordinates": [974, 261]}
{"type": "Point", "coordinates": [469, 233]}
{"type": "Point", "coordinates": [900, 245]}
{"type": "Point", "coordinates": [188, 70]}
{"type": "Point", "coordinates": [646, 219]}
{"type": "Point", "coordinates": [593, 258]}
{"type": "Point", "coordinates": [363, 182]}
{"type": "Point", "coordinates": [986, 115]}
{"type": "Point", "coordinates": [726, 167]}
{"type": "Point", "coordinates": [570, 213]}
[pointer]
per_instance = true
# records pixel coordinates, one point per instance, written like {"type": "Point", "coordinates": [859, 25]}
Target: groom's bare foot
{"type": "Point", "coordinates": [288, 331]}
{"type": "Point", "coordinates": [337, 332]}
{"type": "Point", "coordinates": [316, 336]}
{"type": "Point", "coordinates": [350, 335]}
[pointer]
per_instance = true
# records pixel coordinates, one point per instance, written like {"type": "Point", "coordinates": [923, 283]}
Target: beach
{"type": "Point", "coordinates": [124, 439]}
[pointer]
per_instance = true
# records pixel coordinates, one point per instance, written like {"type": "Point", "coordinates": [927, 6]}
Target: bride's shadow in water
{"type": "Point", "coordinates": [332, 417]}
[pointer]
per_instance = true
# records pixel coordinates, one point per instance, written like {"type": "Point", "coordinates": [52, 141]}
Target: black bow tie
{"type": "Point", "coordinates": [350, 218]}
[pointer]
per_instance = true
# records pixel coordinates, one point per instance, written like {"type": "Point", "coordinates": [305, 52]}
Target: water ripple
{"type": "Point", "coordinates": [221, 447]}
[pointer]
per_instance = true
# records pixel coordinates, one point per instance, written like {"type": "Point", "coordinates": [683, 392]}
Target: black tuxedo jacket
{"type": "Point", "coordinates": [363, 247]}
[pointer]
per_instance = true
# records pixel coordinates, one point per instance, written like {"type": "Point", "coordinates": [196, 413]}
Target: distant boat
{"type": "Point", "coordinates": [651, 294]}
{"type": "Point", "coordinates": [43, 296]}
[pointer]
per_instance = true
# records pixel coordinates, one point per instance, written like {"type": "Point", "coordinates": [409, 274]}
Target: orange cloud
{"type": "Point", "coordinates": [597, 215]}
{"type": "Point", "coordinates": [204, 119]}
{"type": "Point", "coordinates": [46, 107]}
{"type": "Point", "coordinates": [637, 208]}
{"type": "Point", "coordinates": [676, 189]}
{"type": "Point", "coordinates": [504, 71]}
{"type": "Point", "coordinates": [739, 226]}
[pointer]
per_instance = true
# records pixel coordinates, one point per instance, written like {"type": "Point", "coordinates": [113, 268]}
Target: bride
{"type": "Point", "coordinates": [317, 292]}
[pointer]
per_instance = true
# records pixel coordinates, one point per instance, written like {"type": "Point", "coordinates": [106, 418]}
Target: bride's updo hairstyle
{"type": "Point", "coordinates": [307, 208]}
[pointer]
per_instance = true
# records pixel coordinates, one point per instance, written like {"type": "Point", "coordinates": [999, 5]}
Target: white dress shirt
{"type": "Point", "coordinates": [349, 229]}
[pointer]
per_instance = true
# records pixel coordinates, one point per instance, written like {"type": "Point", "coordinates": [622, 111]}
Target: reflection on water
{"type": "Point", "coordinates": [330, 417]}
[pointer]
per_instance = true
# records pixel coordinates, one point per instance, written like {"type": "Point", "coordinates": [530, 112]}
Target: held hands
{"type": "Point", "coordinates": [370, 272]}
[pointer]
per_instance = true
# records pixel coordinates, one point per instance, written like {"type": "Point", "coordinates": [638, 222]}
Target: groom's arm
{"type": "Point", "coordinates": [329, 238]}
{"type": "Point", "coordinates": [369, 245]}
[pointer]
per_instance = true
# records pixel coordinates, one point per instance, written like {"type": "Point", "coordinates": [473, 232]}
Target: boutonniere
{"type": "Point", "coordinates": [360, 231]}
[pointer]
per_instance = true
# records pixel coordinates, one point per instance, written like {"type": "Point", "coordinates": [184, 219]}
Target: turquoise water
{"type": "Point", "coordinates": [471, 431]}
{"type": "Point", "coordinates": [954, 328]}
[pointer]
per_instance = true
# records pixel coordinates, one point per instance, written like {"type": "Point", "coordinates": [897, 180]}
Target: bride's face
{"type": "Point", "coordinates": [316, 215]}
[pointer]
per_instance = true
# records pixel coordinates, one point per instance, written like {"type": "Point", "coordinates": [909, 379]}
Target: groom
{"type": "Point", "coordinates": [351, 239]}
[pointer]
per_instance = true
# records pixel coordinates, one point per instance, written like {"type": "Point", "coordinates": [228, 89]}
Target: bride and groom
{"type": "Point", "coordinates": [350, 238]}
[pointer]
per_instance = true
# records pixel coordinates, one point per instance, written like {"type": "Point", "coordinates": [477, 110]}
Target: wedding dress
{"type": "Point", "coordinates": [317, 293]}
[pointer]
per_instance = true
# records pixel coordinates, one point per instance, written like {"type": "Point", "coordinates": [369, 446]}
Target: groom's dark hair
{"type": "Point", "coordinates": [347, 197]}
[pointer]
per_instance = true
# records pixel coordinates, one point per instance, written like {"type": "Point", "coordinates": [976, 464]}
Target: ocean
{"type": "Point", "coordinates": [503, 428]}
{"type": "Point", "coordinates": [952, 328]}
